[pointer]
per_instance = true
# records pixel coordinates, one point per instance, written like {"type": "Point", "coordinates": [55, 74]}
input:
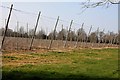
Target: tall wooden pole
{"type": "Point", "coordinates": [53, 33]}
{"type": "Point", "coordinates": [97, 31]}
{"type": "Point", "coordinates": [79, 35]}
{"type": "Point", "coordinates": [6, 27]}
{"type": "Point", "coordinates": [34, 31]}
{"type": "Point", "coordinates": [68, 33]}
{"type": "Point", "coordinates": [89, 33]}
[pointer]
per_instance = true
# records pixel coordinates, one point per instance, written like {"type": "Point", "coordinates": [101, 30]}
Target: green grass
{"type": "Point", "coordinates": [84, 64]}
{"type": "Point", "coordinates": [11, 57]}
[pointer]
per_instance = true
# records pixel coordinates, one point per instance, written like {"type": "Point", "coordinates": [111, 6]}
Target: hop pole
{"type": "Point", "coordinates": [65, 44]}
{"type": "Point", "coordinates": [34, 31]}
{"type": "Point", "coordinates": [53, 33]}
{"type": "Point", "coordinates": [6, 27]}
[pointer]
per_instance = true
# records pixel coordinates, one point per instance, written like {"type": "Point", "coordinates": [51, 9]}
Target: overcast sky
{"type": "Point", "coordinates": [104, 18]}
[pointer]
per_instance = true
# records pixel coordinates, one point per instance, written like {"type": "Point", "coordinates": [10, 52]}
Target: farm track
{"type": "Point", "coordinates": [13, 43]}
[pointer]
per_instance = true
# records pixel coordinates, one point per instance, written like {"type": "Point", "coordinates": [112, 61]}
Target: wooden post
{"type": "Point", "coordinates": [6, 27]}
{"type": "Point", "coordinates": [79, 35]}
{"type": "Point", "coordinates": [34, 31]}
{"type": "Point", "coordinates": [62, 40]}
{"type": "Point", "coordinates": [91, 43]}
{"type": "Point", "coordinates": [88, 35]}
{"type": "Point", "coordinates": [89, 32]}
{"type": "Point", "coordinates": [82, 40]}
{"type": "Point", "coordinates": [53, 33]}
{"type": "Point", "coordinates": [94, 43]}
{"type": "Point", "coordinates": [68, 33]}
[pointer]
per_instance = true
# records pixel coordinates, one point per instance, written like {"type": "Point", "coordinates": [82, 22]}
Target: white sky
{"type": "Point", "coordinates": [98, 17]}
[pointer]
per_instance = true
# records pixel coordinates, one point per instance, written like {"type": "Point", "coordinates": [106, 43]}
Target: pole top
{"type": "Point", "coordinates": [11, 5]}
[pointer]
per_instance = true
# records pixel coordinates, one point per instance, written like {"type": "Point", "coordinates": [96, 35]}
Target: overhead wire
{"type": "Point", "coordinates": [31, 13]}
{"type": "Point", "coordinates": [25, 12]}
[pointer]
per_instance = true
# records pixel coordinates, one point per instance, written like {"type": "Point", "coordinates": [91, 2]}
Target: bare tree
{"type": "Point", "coordinates": [93, 37]}
{"type": "Point", "coordinates": [112, 36]}
{"type": "Point", "coordinates": [41, 34]}
{"type": "Point", "coordinates": [9, 32]}
{"type": "Point", "coordinates": [31, 32]}
{"type": "Point", "coordinates": [71, 36]}
{"type": "Point", "coordinates": [52, 34]}
{"type": "Point", "coordinates": [81, 34]}
{"type": "Point", "coordinates": [2, 31]}
{"type": "Point", "coordinates": [62, 34]}
{"type": "Point", "coordinates": [21, 30]}
{"type": "Point", "coordinates": [107, 3]}
{"type": "Point", "coordinates": [116, 39]}
{"type": "Point", "coordinates": [101, 35]}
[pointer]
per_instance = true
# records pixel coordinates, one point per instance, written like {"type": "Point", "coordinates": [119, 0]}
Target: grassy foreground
{"type": "Point", "coordinates": [83, 64]}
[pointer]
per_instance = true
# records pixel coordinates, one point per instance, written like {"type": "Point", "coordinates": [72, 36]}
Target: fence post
{"type": "Point", "coordinates": [6, 26]}
{"type": "Point", "coordinates": [68, 33]}
{"type": "Point", "coordinates": [89, 32]}
{"type": "Point", "coordinates": [78, 36]}
{"type": "Point", "coordinates": [53, 33]}
{"type": "Point", "coordinates": [34, 31]}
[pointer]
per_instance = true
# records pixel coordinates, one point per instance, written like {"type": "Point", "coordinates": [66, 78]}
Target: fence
{"type": "Point", "coordinates": [50, 33]}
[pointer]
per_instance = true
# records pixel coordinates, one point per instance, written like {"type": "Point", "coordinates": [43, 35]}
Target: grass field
{"type": "Point", "coordinates": [87, 64]}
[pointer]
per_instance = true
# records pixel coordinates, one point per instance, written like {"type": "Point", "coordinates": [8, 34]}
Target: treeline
{"type": "Point", "coordinates": [80, 35]}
